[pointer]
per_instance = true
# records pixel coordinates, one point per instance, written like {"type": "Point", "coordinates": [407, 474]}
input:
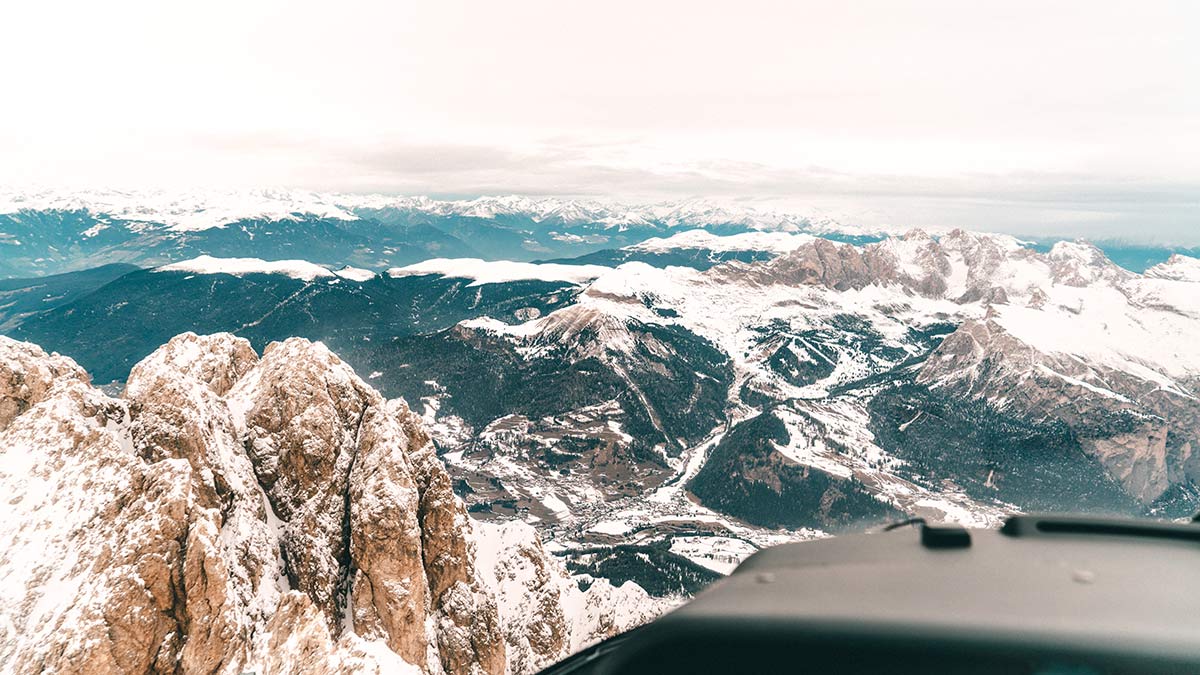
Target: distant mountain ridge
{"type": "Point", "coordinates": [204, 209]}
{"type": "Point", "coordinates": [53, 232]}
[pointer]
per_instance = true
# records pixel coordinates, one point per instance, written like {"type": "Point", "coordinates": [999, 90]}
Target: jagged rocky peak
{"type": "Point", "coordinates": [236, 513]}
{"type": "Point", "coordinates": [216, 360]}
{"type": "Point", "coordinates": [819, 262]}
{"type": "Point", "coordinates": [916, 261]}
{"type": "Point", "coordinates": [961, 266]}
{"type": "Point", "coordinates": [303, 409]}
{"type": "Point", "coordinates": [964, 266]}
{"type": "Point", "coordinates": [93, 535]}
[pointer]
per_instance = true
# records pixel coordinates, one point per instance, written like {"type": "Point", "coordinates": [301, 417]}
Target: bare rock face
{"type": "Point", "coordinates": [231, 567]}
{"type": "Point", "coordinates": [921, 264]}
{"type": "Point", "coordinates": [463, 607]}
{"type": "Point", "coordinates": [303, 409]}
{"type": "Point", "coordinates": [388, 588]}
{"type": "Point", "coordinates": [964, 267]}
{"type": "Point", "coordinates": [234, 513]}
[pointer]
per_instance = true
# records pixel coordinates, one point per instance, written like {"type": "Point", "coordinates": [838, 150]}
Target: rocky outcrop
{"type": "Point", "coordinates": [385, 542]}
{"type": "Point", "coordinates": [1081, 264]}
{"type": "Point", "coordinates": [27, 374]}
{"type": "Point", "coordinates": [303, 409]}
{"type": "Point", "coordinates": [232, 566]}
{"type": "Point", "coordinates": [819, 263]}
{"type": "Point", "coordinates": [94, 536]}
{"type": "Point", "coordinates": [961, 266]}
{"type": "Point", "coordinates": [235, 514]}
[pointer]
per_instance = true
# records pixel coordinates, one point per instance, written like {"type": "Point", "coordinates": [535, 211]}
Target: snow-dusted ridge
{"type": "Point", "coordinates": [500, 271]}
{"type": "Point", "coordinates": [355, 273]}
{"type": "Point", "coordinates": [182, 211]}
{"type": "Point", "coordinates": [1177, 268]}
{"type": "Point", "coordinates": [205, 209]}
{"type": "Point", "coordinates": [296, 269]}
{"type": "Point", "coordinates": [777, 242]}
{"type": "Point", "coordinates": [302, 270]}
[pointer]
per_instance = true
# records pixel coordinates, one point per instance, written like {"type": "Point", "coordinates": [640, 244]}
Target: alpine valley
{"type": "Point", "coordinates": [288, 432]}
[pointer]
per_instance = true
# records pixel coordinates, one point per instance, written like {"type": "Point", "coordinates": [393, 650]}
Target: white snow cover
{"type": "Point", "coordinates": [355, 274]}
{"type": "Point", "coordinates": [182, 211]}
{"type": "Point", "coordinates": [1101, 325]}
{"type": "Point", "coordinates": [500, 271]}
{"type": "Point", "coordinates": [613, 527]}
{"type": "Point", "coordinates": [203, 209]}
{"type": "Point", "coordinates": [719, 554]}
{"type": "Point", "coordinates": [296, 269]}
{"type": "Point", "coordinates": [779, 242]}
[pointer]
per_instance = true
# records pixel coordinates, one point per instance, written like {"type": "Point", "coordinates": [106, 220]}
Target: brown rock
{"type": "Point", "coordinates": [274, 515]}
{"type": "Point", "coordinates": [27, 374]}
{"type": "Point", "coordinates": [389, 584]}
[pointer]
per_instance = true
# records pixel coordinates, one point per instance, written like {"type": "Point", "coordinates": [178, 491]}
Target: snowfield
{"type": "Point", "coordinates": [296, 269]}
{"type": "Point", "coordinates": [500, 271]}
{"type": "Point", "coordinates": [777, 242]}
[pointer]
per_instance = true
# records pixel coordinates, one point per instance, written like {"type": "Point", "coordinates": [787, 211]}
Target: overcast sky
{"type": "Point", "coordinates": [1029, 117]}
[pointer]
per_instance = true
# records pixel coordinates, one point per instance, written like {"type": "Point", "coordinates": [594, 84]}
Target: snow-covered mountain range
{"type": "Point", "coordinates": [204, 209]}
{"type": "Point", "coordinates": [956, 376]}
{"type": "Point", "coordinates": [52, 232]}
{"type": "Point", "coordinates": [1050, 381]}
{"type": "Point", "coordinates": [653, 409]}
